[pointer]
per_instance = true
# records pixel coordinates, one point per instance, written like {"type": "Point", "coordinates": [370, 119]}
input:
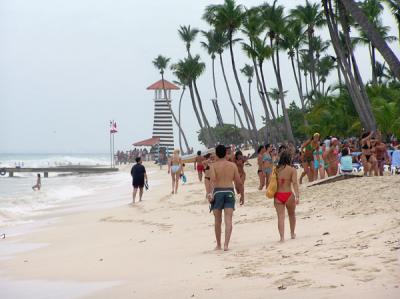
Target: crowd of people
{"type": "Point", "coordinates": [224, 176]}
{"type": "Point", "coordinates": [124, 157]}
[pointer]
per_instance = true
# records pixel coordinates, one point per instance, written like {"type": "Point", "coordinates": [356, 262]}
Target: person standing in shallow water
{"type": "Point", "coordinates": [38, 183]}
{"type": "Point", "coordinates": [224, 175]}
{"type": "Point", "coordinates": [285, 197]}
{"type": "Point", "coordinates": [139, 179]}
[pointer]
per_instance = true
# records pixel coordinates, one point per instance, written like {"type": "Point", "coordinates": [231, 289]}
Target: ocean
{"type": "Point", "coordinates": [60, 193]}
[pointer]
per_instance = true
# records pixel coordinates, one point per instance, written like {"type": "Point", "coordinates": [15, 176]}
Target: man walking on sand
{"type": "Point", "coordinates": [139, 178]}
{"type": "Point", "coordinates": [223, 175]}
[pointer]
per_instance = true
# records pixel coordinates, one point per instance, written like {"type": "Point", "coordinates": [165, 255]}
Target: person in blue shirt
{"type": "Point", "coordinates": [346, 161]}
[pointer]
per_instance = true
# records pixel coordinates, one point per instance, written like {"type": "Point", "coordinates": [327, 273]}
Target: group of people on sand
{"type": "Point", "coordinates": [330, 156]}
{"type": "Point", "coordinates": [224, 176]}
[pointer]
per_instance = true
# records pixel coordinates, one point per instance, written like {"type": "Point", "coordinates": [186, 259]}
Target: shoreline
{"type": "Point", "coordinates": [163, 246]}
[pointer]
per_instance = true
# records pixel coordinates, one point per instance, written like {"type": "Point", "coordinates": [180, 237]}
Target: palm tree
{"type": "Point", "coordinates": [324, 67]}
{"type": "Point", "coordinates": [161, 63]}
{"type": "Point", "coordinates": [257, 51]}
{"type": "Point", "coordinates": [183, 84]}
{"type": "Point", "coordinates": [248, 71]}
{"type": "Point", "coordinates": [212, 47]}
{"type": "Point", "coordinates": [275, 21]}
{"type": "Point", "coordinates": [311, 16]}
{"type": "Point", "coordinates": [382, 72]}
{"type": "Point", "coordinates": [373, 10]}
{"type": "Point", "coordinates": [292, 39]}
{"type": "Point", "coordinates": [187, 35]}
{"type": "Point", "coordinates": [359, 100]}
{"type": "Point", "coordinates": [394, 6]}
{"type": "Point", "coordinates": [275, 95]}
{"type": "Point", "coordinates": [221, 40]}
{"type": "Point", "coordinates": [182, 69]}
{"type": "Point", "coordinates": [373, 35]}
{"type": "Point", "coordinates": [227, 18]}
{"type": "Point", "coordinates": [197, 69]}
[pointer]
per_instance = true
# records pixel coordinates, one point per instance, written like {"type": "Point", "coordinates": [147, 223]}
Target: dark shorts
{"type": "Point", "coordinates": [138, 184]}
{"type": "Point", "coordinates": [224, 198]}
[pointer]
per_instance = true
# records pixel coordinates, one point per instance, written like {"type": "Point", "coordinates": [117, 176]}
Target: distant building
{"type": "Point", "coordinates": [162, 125]}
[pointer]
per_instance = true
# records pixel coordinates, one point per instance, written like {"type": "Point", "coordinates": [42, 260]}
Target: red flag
{"type": "Point", "coordinates": [113, 128]}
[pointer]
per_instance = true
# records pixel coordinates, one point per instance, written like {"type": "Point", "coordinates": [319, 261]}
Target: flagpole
{"type": "Point", "coordinates": [113, 149]}
{"type": "Point", "coordinates": [111, 157]}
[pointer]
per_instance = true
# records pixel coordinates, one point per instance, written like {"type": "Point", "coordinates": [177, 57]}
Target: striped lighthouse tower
{"type": "Point", "coordinates": [162, 125]}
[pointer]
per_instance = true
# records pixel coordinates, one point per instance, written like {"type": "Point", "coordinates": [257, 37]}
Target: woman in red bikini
{"type": "Point", "coordinates": [284, 197]}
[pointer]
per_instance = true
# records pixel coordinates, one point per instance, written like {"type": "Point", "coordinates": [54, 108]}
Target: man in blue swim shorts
{"type": "Point", "coordinates": [224, 175]}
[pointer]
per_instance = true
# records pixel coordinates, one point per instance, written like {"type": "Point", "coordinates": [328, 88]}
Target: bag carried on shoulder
{"type": "Point", "coordinates": [273, 184]}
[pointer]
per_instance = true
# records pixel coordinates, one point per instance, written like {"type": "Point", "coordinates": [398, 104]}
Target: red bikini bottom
{"type": "Point", "coordinates": [283, 197]}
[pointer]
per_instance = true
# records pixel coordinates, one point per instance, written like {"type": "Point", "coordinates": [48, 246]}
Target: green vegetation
{"type": "Point", "coordinates": [333, 97]}
{"type": "Point", "coordinates": [226, 134]}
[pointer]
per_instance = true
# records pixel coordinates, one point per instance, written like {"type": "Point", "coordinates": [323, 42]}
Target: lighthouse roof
{"type": "Point", "coordinates": [159, 85]}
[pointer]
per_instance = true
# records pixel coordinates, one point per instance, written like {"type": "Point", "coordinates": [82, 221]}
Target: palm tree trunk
{"type": "Point", "coordinates": [219, 116]}
{"type": "Point", "coordinates": [251, 104]}
{"type": "Point", "coordinates": [299, 88]}
{"type": "Point", "coordinates": [311, 58]}
{"type": "Point", "coordinates": [343, 63]}
{"type": "Point", "coordinates": [173, 114]}
{"type": "Point", "coordinates": [373, 35]}
{"type": "Point", "coordinates": [300, 79]}
{"type": "Point", "coordinates": [236, 112]}
{"type": "Point", "coordinates": [242, 98]}
{"type": "Point", "coordinates": [265, 93]}
{"type": "Point", "coordinates": [297, 82]}
{"type": "Point", "coordinates": [276, 65]}
{"type": "Point", "coordinates": [339, 74]}
{"type": "Point", "coordinates": [262, 94]}
{"type": "Point", "coordinates": [306, 81]}
{"type": "Point", "coordinates": [205, 120]}
{"type": "Point", "coordinates": [213, 74]}
{"type": "Point", "coordinates": [196, 112]}
{"type": "Point", "coordinates": [373, 58]}
{"type": "Point", "coordinates": [265, 90]}
{"type": "Point", "coordinates": [365, 103]}
{"type": "Point", "coordinates": [180, 122]}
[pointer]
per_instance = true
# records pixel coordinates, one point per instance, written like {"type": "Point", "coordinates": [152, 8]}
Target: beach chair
{"type": "Point", "coordinates": [357, 167]}
{"type": "Point", "coordinates": [395, 166]}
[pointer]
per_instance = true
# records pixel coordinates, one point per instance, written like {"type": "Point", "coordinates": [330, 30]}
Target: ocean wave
{"type": "Point", "coordinates": [53, 160]}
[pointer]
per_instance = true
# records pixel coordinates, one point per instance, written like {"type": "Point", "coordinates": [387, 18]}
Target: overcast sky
{"type": "Point", "coordinates": [68, 67]}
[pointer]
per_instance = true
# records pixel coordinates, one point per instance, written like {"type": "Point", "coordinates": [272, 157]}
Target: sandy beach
{"type": "Point", "coordinates": [347, 245]}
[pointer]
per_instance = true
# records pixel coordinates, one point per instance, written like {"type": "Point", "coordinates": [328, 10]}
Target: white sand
{"type": "Point", "coordinates": [348, 245]}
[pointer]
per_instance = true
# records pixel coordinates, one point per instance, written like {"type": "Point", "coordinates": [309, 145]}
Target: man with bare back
{"type": "Point", "coordinates": [224, 175]}
{"type": "Point", "coordinates": [198, 165]}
